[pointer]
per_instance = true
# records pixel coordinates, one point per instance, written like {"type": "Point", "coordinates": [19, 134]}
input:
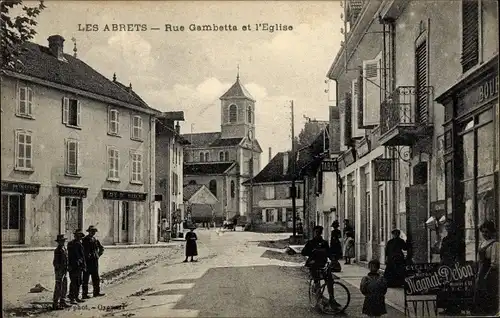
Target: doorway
{"type": "Point", "coordinates": [13, 209]}
{"type": "Point", "coordinates": [74, 215]}
{"type": "Point", "coordinates": [124, 221]}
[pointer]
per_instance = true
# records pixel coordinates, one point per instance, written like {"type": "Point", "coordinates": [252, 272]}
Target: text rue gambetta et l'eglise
{"type": "Point", "coordinates": [193, 27]}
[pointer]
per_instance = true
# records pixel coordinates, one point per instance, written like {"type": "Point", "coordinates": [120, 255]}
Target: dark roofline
{"type": "Point", "coordinates": [90, 95]}
{"type": "Point", "coordinates": [176, 115]}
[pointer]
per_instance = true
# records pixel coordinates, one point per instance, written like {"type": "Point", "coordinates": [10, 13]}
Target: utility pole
{"type": "Point", "coordinates": [293, 190]}
{"type": "Point", "coordinates": [250, 194]}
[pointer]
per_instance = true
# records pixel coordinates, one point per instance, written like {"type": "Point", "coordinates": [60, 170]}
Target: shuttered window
{"type": "Point", "coordinates": [422, 111]}
{"type": "Point", "coordinates": [347, 120]}
{"type": "Point", "coordinates": [470, 34]}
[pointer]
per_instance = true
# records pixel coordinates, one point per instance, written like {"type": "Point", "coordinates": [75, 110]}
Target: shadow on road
{"type": "Point", "coordinates": [279, 244]}
{"type": "Point", "coordinates": [296, 258]}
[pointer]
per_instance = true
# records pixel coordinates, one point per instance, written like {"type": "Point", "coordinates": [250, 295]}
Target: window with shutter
{"type": "Point", "coordinates": [136, 173]}
{"type": "Point", "coordinates": [25, 102]}
{"type": "Point", "coordinates": [113, 122]}
{"type": "Point", "coordinates": [137, 128]}
{"type": "Point", "coordinates": [470, 34]}
{"type": "Point", "coordinates": [422, 103]}
{"type": "Point", "coordinates": [233, 114]}
{"type": "Point", "coordinates": [221, 156]}
{"type": "Point", "coordinates": [202, 157]}
{"type": "Point", "coordinates": [347, 119]}
{"type": "Point", "coordinates": [357, 133]}
{"type": "Point", "coordinates": [23, 150]}
{"type": "Point", "coordinates": [372, 82]}
{"type": "Point", "coordinates": [226, 156]}
{"type": "Point", "coordinates": [113, 159]}
{"type": "Point", "coordinates": [72, 157]}
{"type": "Point", "coordinates": [71, 112]}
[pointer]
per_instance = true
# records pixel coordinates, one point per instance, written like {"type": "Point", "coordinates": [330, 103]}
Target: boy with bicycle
{"type": "Point", "coordinates": [318, 252]}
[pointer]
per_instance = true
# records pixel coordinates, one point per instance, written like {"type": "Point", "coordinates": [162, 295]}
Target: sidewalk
{"type": "Point", "coordinates": [24, 268]}
{"type": "Point", "coordinates": [353, 274]}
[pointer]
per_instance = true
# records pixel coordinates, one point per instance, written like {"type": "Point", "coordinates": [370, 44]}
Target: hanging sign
{"type": "Point", "coordinates": [383, 169]}
{"type": "Point", "coordinates": [329, 165]}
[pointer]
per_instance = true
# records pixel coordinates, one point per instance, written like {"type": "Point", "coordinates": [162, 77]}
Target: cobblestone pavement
{"type": "Point", "coordinates": [233, 277]}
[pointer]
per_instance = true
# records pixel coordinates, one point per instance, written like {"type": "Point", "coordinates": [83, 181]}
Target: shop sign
{"type": "Point", "coordinates": [121, 195]}
{"type": "Point", "coordinates": [433, 278]}
{"type": "Point", "coordinates": [72, 192]}
{"type": "Point", "coordinates": [383, 169]}
{"type": "Point", "coordinates": [329, 165]}
{"type": "Point", "coordinates": [488, 89]}
{"type": "Point", "coordinates": [363, 149]}
{"type": "Point", "coordinates": [21, 187]}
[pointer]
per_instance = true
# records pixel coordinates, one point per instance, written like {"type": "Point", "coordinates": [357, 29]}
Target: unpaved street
{"type": "Point", "coordinates": [231, 279]}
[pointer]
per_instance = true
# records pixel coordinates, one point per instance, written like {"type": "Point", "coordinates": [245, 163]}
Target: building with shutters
{"type": "Point", "coordinates": [77, 150]}
{"type": "Point", "coordinates": [397, 58]}
{"type": "Point", "coordinates": [223, 160]}
{"type": "Point", "coordinates": [272, 196]}
{"type": "Point", "coordinates": [169, 165]}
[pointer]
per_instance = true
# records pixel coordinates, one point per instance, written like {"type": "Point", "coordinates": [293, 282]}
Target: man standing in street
{"type": "Point", "coordinates": [60, 263]}
{"type": "Point", "coordinates": [93, 250]}
{"type": "Point", "coordinates": [76, 266]}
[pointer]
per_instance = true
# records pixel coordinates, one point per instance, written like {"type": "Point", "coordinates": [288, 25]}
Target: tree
{"type": "Point", "coordinates": [308, 133]}
{"type": "Point", "coordinates": [16, 30]}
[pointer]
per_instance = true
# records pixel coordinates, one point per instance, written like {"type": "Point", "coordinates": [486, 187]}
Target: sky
{"type": "Point", "coordinates": [190, 70]}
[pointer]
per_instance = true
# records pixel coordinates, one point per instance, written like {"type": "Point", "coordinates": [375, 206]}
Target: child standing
{"type": "Point", "coordinates": [374, 287]}
{"type": "Point", "coordinates": [349, 247]}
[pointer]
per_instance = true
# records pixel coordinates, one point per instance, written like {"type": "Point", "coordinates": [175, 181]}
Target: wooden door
{"type": "Point", "coordinates": [416, 215]}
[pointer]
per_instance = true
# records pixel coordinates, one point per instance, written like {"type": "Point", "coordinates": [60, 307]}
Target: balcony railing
{"type": "Point", "coordinates": [406, 107]}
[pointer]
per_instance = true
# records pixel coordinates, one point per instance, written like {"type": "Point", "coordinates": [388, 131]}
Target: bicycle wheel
{"type": "Point", "coordinates": [342, 298]}
{"type": "Point", "coordinates": [313, 296]}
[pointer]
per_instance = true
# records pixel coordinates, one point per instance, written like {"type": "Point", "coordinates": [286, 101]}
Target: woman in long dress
{"type": "Point", "coordinates": [191, 246]}
{"type": "Point", "coordinates": [395, 260]}
{"type": "Point", "coordinates": [335, 241]}
{"type": "Point", "coordinates": [486, 291]}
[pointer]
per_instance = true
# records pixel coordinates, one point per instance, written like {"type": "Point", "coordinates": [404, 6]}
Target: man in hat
{"type": "Point", "coordinates": [93, 250]}
{"type": "Point", "coordinates": [77, 266]}
{"type": "Point", "coordinates": [60, 264]}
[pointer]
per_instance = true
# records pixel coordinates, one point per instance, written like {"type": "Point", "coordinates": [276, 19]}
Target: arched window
{"type": "Point", "coordinates": [212, 186]}
{"type": "Point", "coordinates": [221, 156]}
{"type": "Point", "coordinates": [233, 113]}
{"type": "Point", "coordinates": [207, 156]}
{"type": "Point", "coordinates": [226, 156]}
{"type": "Point", "coordinates": [233, 189]}
{"type": "Point", "coordinates": [202, 157]}
{"type": "Point", "coordinates": [250, 115]}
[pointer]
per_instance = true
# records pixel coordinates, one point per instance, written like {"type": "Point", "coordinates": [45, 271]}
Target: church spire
{"type": "Point", "coordinates": [238, 74]}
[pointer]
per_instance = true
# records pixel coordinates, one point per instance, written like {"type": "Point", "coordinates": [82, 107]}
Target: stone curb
{"type": "Point", "coordinates": [21, 250]}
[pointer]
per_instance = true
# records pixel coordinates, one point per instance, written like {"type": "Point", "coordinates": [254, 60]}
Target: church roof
{"type": "Point", "coordinates": [189, 190]}
{"type": "Point", "coordinates": [226, 142]}
{"type": "Point", "coordinates": [198, 140]}
{"type": "Point", "coordinates": [206, 168]}
{"type": "Point", "coordinates": [237, 91]}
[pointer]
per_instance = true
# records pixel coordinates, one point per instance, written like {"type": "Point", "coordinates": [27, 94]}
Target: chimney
{"type": "Point", "coordinates": [178, 128]}
{"type": "Point", "coordinates": [285, 162]}
{"type": "Point", "coordinates": [270, 155]}
{"type": "Point", "coordinates": [56, 46]}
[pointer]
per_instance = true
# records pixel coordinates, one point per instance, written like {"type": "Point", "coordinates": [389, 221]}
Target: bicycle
{"type": "Point", "coordinates": [317, 298]}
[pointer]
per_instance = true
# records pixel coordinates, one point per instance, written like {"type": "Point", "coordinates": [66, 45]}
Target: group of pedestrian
{"type": "Point", "coordinates": [81, 260]}
{"type": "Point", "coordinates": [342, 248]}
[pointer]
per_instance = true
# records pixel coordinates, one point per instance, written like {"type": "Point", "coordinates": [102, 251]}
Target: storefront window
{"type": "Point", "coordinates": [478, 181]}
{"type": "Point", "coordinates": [449, 188]}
